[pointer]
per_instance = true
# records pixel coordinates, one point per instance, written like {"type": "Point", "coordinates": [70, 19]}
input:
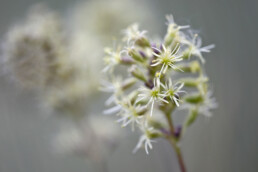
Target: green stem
{"type": "Point", "coordinates": [170, 123]}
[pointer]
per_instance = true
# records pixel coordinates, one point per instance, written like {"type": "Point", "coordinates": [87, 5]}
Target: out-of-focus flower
{"type": "Point", "coordinates": [132, 33]}
{"type": "Point", "coordinates": [106, 18]}
{"type": "Point", "coordinates": [209, 103]}
{"type": "Point", "coordinates": [195, 48]}
{"type": "Point", "coordinates": [34, 52]}
{"type": "Point", "coordinates": [112, 59]}
{"type": "Point", "coordinates": [94, 139]}
{"type": "Point", "coordinates": [39, 56]}
{"type": "Point", "coordinates": [145, 140]}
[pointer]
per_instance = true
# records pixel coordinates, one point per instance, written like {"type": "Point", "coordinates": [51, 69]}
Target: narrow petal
{"type": "Point", "coordinates": [176, 102]}
{"type": "Point", "coordinates": [112, 110]}
{"type": "Point", "coordinates": [139, 144]}
{"type": "Point", "coordinates": [152, 106]}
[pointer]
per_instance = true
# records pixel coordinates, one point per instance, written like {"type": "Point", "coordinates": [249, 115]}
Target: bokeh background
{"type": "Point", "coordinates": [228, 142]}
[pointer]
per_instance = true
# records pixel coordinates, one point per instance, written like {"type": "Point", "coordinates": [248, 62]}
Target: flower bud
{"type": "Point", "coordinates": [157, 125]}
{"type": "Point", "coordinates": [171, 34]}
{"type": "Point", "coordinates": [137, 73]}
{"type": "Point", "coordinates": [194, 99]}
{"type": "Point", "coordinates": [189, 82]}
{"type": "Point", "coordinates": [135, 55]}
{"type": "Point", "coordinates": [142, 111]}
{"type": "Point", "coordinates": [133, 96]}
{"type": "Point", "coordinates": [126, 60]}
{"type": "Point", "coordinates": [177, 132]}
{"type": "Point", "coordinates": [187, 53]}
{"type": "Point", "coordinates": [142, 42]}
{"type": "Point", "coordinates": [128, 83]}
{"type": "Point", "coordinates": [192, 67]}
{"type": "Point", "coordinates": [154, 135]}
{"type": "Point", "coordinates": [191, 117]}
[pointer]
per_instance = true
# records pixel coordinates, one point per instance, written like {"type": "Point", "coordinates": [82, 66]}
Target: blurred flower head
{"type": "Point", "coordinates": [106, 18]}
{"type": "Point", "coordinates": [33, 49]}
{"type": "Point", "coordinates": [95, 139]}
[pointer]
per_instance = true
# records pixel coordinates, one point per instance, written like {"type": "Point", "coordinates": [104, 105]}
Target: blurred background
{"type": "Point", "coordinates": [228, 142]}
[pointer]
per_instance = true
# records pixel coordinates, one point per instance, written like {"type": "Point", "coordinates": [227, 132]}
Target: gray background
{"type": "Point", "coordinates": [226, 143]}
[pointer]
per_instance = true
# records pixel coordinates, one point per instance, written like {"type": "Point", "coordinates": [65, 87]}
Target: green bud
{"type": "Point", "coordinates": [189, 82]}
{"type": "Point", "coordinates": [137, 73]}
{"type": "Point", "coordinates": [170, 36]}
{"type": "Point", "coordinates": [142, 42]}
{"type": "Point", "coordinates": [156, 124]}
{"type": "Point", "coordinates": [142, 111]}
{"type": "Point", "coordinates": [194, 99]}
{"type": "Point", "coordinates": [195, 67]}
{"type": "Point", "coordinates": [191, 117]}
{"type": "Point", "coordinates": [133, 96]}
{"type": "Point", "coordinates": [128, 83]}
{"type": "Point", "coordinates": [187, 53]}
{"type": "Point", "coordinates": [135, 55]}
{"type": "Point", "coordinates": [154, 135]}
{"type": "Point", "coordinates": [192, 67]}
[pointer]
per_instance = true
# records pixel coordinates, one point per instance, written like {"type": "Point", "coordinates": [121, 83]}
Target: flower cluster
{"type": "Point", "coordinates": [150, 80]}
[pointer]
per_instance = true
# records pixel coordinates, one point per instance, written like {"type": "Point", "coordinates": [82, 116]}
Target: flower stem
{"type": "Point", "coordinates": [173, 142]}
{"type": "Point", "coordinates": [178, 153]}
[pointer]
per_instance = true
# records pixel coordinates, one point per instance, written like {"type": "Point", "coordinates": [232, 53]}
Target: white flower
{"type": "Point", "coordinates": [114, 87]}
{"type": "Point", "coordinates": [167, 58]}
{"type": "Point", "coordinates": [145, 140]}
{"type": "Point", "coordinates": [171, 22]}
{"type": "Point", "coordinates": [130, 114]}
{"type": "Point", "coordinates": [173, 91]}
{"type": "Point", "coordinates": [174, 33]}
{"type": "Point", "coordinates": [115, 109]}
{"type": "Point", "coordinates": [153, 95]}
{"type": "Point", "coordinates": [132, 33]}
{"type": "Point", "coordinates": [202, 84]}
{"type": "Point", "coordinates": [205, 104]}
{"type": "Point", "coordinates": [112, 59]}
{"type": "Point", "coordinates": [195, 44]}
{"type": "Point", "coordinates": [208, 104]}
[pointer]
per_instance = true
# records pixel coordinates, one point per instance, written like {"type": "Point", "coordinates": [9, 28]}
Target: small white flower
{"type": "Point", "coordinates": [153, 95]}
{"type": "Point", "coordinates": [117, 108]}
{"type": "Point", "coordinates": [114, 87]}
{"type": "Point", "coordinates": [202, 84]}
{"type": "Point", "coordinates": [145, 140]}
{"type": "Point", "coordinates": [195, 44]}
{"type": "Point", "coordinates": [167, 58]}
{"type": "Point", "coordinates": [208, 104]}
{"type": "Point", "coordinates": [112, 59]}
{"type": "Point", "coordinates": [171, 22]}
{"type": "Point", "coordinates": [174, 30]}
{"type": "Point", "coordinates": [173, 91]}
{"type": "Point", "coordinates": [132, 33]}
{"type": "Point", "coordinates": [130, 114]}
{"type": "Point", "coordinates": [205, 106]}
